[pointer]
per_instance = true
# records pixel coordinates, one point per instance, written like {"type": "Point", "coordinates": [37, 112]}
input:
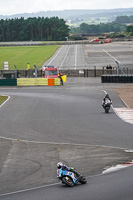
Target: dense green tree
{"type": "Point", "coordinates": [33, 29]}
{"type": "Point", "coordinates": [97, 29]}
{"type": "Point", "coordinates": [122, 19]}
{"type": "Point", "coordinates": [130, 30]}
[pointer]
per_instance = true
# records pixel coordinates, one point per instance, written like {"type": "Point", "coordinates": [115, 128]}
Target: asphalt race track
{"type": "Point", "coordinates": [111, 186]}
{"type": "Point", "coordinates": [67, 123]}
{"type": "Point", "coordinates": [63, 115]}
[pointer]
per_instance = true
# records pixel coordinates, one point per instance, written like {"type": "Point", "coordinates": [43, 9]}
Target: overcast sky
{"type": "Point", "coordinates": [8, 7]}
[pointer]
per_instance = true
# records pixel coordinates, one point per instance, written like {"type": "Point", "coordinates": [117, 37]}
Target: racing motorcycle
{"type": "Point", "coordinates": [107, 105]}
{"type": "Point", "coordinates": [70, 178]}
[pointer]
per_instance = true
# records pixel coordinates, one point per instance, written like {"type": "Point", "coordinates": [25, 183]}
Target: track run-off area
{"type": "Point", "coordinates": [78, 56]}
{"type": "Point", "coordinates": [43, 125]}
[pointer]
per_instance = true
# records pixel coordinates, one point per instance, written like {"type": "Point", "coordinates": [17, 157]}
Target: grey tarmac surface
{"type": "Point", "coordinates": [86, 56]}
{"type": "Point", "coordinates": [25, 164]}
{"type": "Point", "coordinates": [106, 54]}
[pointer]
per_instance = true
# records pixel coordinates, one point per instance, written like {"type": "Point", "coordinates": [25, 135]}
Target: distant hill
{"type": "Point", "coordinates": [75, 17]}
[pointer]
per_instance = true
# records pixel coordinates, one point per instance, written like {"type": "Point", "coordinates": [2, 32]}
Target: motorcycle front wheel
{"type": "Point", "coordinates": [107, 109]}
{"type": "Point", "coordinates": [68, 181]}
{"type": "Point", "coordinates": [83, 180]}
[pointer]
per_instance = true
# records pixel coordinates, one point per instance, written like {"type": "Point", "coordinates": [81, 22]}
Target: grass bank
{"type": "Point", "coordinates": [2, 99]}
{"type": "Point", "coordinates": [20, 56]}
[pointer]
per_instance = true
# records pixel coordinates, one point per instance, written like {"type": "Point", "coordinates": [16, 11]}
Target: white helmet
{"type": "Point", "coordinates": [59, 165]}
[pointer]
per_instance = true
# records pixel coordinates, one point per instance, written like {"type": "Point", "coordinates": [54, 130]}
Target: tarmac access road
{"type": "Point", "coordinates": [64, 123]}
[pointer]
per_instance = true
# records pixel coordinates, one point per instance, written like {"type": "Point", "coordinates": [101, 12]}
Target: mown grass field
{"type": "Point", "coordinates": [20, 56]}
{"type": "Point", "coordinates": [2, 99]}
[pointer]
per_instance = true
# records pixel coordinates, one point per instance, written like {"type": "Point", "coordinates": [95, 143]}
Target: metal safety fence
{"type": "Point", "coordinates": [30, 73]}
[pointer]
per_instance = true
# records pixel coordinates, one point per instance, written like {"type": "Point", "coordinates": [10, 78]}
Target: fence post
{"type": "Point", "coordinates": [95, 71]}
{"type": "Point", "coordinates": [118, 67]}
{"type": "Point", "coordinates": [35, 71]}
{"type": "Point", "coordinates": [127, 70]}
{"type": "Point", "coordinates": [15, 71]}
{"type": "Point", "coordinates": [84, 72]}
{"type": "Point", "coordinates": [26, 73]}
{"type": "Point", "coordinates": [87, 72]}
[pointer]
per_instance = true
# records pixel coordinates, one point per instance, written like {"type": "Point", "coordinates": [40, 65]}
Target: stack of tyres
{"type": "Point", "coordinates": [113, 79]}
{"type": "Point", "coordinates": [117, 78]}
{"type": "Point", "coordinates": [126, 79]}
{"type": "Point", "coordinates": [103, 79]}
{"type": "Point", "coordinates": [120, 78]}
{"type": "Point", "coordinates": [110, 79]}
{"type": "Point", "coordinates": [107, 79]}
{"type": "Point", "coordinates": [131, 78]}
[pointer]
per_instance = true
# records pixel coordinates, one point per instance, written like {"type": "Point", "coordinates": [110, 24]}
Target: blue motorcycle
{"type": "Point", "coordinates": [70, 178]}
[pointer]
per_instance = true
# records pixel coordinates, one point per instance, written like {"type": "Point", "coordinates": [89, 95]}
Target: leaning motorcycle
{"type": "Point", "coordinates": [70, 178]}
{"type": "Point", "coordinates": [107, 106]}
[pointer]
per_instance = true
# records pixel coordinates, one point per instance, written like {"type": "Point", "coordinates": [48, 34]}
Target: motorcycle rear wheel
{"type": "Point", "coordinates": [68, 181]}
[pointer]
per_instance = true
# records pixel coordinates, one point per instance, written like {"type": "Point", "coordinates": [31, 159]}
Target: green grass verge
{"type": "Point", "coordinates": [2, 99]}
{"type": "Point", "coordinates": [20, 56]}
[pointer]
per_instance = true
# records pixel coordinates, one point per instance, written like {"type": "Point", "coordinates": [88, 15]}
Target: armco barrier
{"type": "Point", "coordinates": [56, 81]}
{"type": "Point", "coordinates": [30, 82]}
{"type": "Point", "coordinates": [117, 78]}
{"type": "Point", "coordinates": [38, 81]}
{"type": "Point", "coordinates": [8, 82]}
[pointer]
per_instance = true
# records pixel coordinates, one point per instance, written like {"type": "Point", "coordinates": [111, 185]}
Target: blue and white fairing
{"type": "Point", "coordinates": [61, 173]}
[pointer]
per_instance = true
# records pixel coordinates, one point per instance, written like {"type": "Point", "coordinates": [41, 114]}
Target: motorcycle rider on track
{"type": "Point", "coordinates": [105, 99]}
{"type": "Point", "coordinates": [64, 167]}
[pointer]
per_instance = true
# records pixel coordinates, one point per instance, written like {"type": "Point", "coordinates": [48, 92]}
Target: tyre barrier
{"type": "Point", "coordinates": [30, 82]}
{"type": "Point", "coordinates": [117, 78]}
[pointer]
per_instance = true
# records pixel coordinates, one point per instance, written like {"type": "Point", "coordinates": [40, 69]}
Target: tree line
{"type": "Point", "coordinates": [124, 19]}
{"type": "Point", "coordinates": [98, 29]}
{"type": "Point", "coordinates": [130, 30]}
{"type": "Point", "coordinates": [42, 29]}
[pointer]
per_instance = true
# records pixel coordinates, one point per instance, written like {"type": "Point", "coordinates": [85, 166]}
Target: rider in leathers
{"type": "Point", "coordinates": [64, 167]}
{"type": "Point", "coordinates": [106, 98]}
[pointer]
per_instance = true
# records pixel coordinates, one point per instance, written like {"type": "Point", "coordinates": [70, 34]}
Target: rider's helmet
{"type": "Point", "coordinates": [59, 165]}
{"type": "Point", "coordinates": [107, 96]}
